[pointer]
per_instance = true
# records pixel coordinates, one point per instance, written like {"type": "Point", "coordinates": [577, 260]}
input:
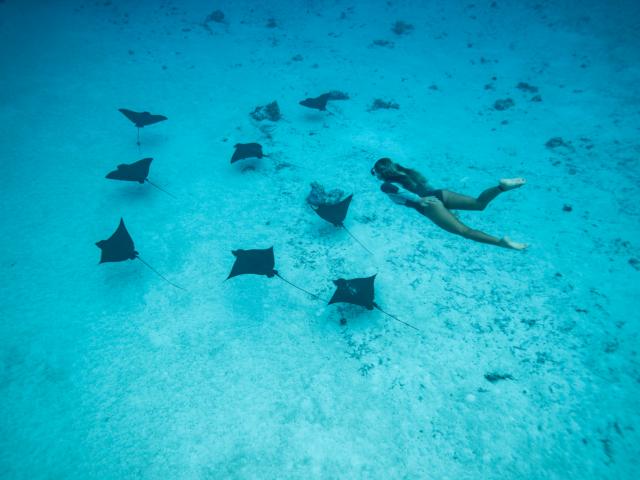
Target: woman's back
{"type": "Point", "coordinates": [414, 181]}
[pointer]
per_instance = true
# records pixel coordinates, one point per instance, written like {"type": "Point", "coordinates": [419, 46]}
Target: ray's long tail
{"type": "Point", "coordinates": [160, 275]}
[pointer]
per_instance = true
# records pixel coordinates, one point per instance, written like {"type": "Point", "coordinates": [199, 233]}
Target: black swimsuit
{"type": "Point", "coordinates": [424, 191]}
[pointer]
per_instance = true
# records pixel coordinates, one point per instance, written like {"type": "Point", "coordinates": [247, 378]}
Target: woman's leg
{"type": "Point", "coordinates": [457, 201]}
{"type": "Point", "coordinates": [434, 210]}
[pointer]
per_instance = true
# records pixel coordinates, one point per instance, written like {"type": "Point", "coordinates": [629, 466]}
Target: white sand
{"type": "Point", "coordinates": [107, 372]}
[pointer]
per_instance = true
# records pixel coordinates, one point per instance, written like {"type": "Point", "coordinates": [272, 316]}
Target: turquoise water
{"type": "Point", "coordinates": [525, 365]}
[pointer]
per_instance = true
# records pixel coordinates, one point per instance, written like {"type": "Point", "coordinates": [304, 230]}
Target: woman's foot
{"type": "Point", "coordinates": [506, 242]}
{"type": "Point", "coordinates": [511, 183]}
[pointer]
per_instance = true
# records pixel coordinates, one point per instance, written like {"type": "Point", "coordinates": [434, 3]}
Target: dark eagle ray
{"type": "Point", "coordinates": [335, 213]}
{"type": "Point", "coordinates": [141, 119]}
{"type": "Point", "coordinates": [317, 103]}
{"type": "Point", "coordinates": [360, 291]}
{"type": "Point", "coordinates": [259, 262]}
{"type": "Point", "coordinates": [135, 172]}
{"type": "Point", "coordinates": [320, 102]}
{"type": "Point", "coordinates": [119, 247]}
{"type": "Point", "coordinates": [247, 150]}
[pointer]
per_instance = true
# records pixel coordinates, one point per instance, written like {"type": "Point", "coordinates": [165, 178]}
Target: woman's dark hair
{"type": "Point", "coordinates": [382, 166]}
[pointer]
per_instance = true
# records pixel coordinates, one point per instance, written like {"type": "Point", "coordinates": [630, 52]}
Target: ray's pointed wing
{"type": "Point", "coordinates": [118, 247]}
{"type": "Point", "coordinates": [334, 213]}
{"type": "Point", "coordinates": [149, 119]}
{"type": "Point", "coordinates": [357, 291]}
{"type": "Point", "coordinates": [121, 173]}
{"type": "Point", "coordinates": [131, 115]}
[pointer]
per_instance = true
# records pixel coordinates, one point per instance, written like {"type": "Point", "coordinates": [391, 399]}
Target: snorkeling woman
{"type": "Point", "coordinates": [436, 204]}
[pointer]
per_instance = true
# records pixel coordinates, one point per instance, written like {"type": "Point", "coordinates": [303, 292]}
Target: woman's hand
{"type": "Point", "coordinates": [388, 187]}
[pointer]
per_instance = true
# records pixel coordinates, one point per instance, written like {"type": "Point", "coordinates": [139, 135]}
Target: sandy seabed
{"type": "Point", "coordinates": [108, 372]}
